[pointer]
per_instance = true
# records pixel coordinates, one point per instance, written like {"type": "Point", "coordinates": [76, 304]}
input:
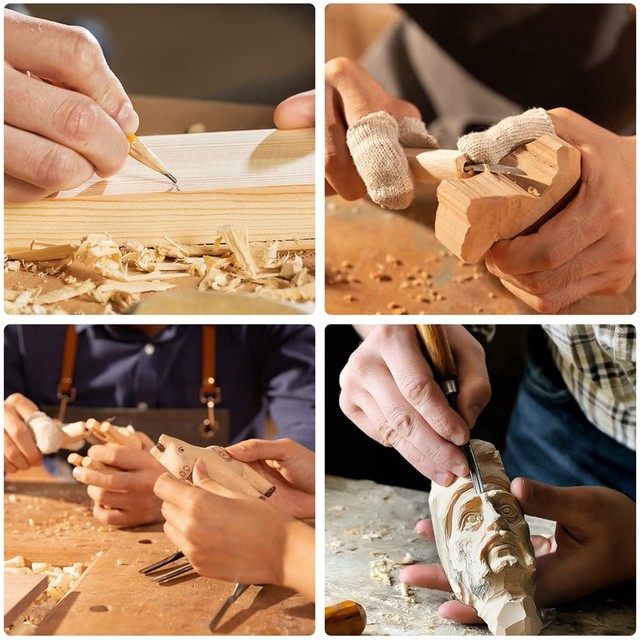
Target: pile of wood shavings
{"type": "Point", "coordinates": [61, 580]}
{"type": "Point", "coordinates": [118, 275]}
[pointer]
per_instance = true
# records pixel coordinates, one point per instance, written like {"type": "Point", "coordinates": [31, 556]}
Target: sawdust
{"type": "Point", "coordinates": [117, 275]}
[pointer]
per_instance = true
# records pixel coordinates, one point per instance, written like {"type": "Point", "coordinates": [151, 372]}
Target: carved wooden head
{"type": "Point", "coordinates": [483, 543]}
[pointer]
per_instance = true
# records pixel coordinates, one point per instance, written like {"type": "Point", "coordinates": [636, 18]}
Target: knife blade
{"type": "Point", "coordinates": [435, 165]}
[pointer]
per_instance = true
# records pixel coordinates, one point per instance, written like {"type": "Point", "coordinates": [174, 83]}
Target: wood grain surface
{"type": "Point", "coordinates": [112, 598]}
{"type": "Point", "coordinates": [262, 180]}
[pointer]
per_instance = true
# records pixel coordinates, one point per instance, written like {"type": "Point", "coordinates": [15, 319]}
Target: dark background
{"type": "Point", "coordinates": [250, 53]}
{"type": "Point", "coordinates": [350, 453]}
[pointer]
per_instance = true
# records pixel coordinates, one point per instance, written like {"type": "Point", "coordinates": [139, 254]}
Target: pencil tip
{"type": "Point", "coordinates": [171, 178]}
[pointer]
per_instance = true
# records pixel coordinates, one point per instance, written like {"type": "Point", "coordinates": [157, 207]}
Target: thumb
{"type": "Point", "coordinates": [296, 112]}
{"type": "Point", "coordinates": [202, 480]}
{"type": "Point", "coordinates": [200, 477]}
{"type": "Point", "coordinates": [547, 501]}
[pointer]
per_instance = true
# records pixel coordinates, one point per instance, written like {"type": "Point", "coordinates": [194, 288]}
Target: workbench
{"type": "Point", "coordinates": [52, 522]}
{"type": "Point", "coordinates": [389, 262]}
{"type": "Point", "coordinates": [370, 535]}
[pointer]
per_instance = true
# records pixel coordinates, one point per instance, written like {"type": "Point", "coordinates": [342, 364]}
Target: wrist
{"type": "Point", "coordinates": [299, 559]}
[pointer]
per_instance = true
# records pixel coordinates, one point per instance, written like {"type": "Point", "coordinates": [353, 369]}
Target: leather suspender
{"type": "Point", "coordinates": [65, 391]}
{"type": "Point", "coordinates": [209, 393]}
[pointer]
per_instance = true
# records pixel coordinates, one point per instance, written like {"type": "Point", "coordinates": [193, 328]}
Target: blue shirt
{"type": "Point", "coordinates": [261, 369]}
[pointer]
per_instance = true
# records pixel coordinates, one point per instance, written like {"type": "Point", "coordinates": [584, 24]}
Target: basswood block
{"type": "Point", "coordinates": [474, 213]}
{"type": "Point", "coordinates": [262, 180]}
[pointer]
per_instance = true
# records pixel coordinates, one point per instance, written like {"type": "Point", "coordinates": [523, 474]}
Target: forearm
{"type": "Point", "coordinates": [299, 559]}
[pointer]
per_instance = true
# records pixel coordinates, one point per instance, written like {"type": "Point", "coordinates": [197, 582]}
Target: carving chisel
{"type": "Point", "coordinates": [434, 166]}
{"type": "Point", "coordinates": [237, 592]}
{"type": "Point", "coordinates": [438, 352]}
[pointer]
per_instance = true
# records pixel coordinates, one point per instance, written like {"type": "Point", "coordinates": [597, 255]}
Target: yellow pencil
{"type": "Point", "coordinates": [138, 151]}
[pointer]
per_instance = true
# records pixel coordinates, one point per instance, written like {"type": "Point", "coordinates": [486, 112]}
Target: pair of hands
{"type": "Point", "coordinates": [389, 391]}
{"type": "Point", "coordinates": [66, 114]}
{"type": "Point", "coordinates": [223, 534]}
{"type": "Point", "coordinates": [248, 540]}
{"type": "Point", "coordinates": [588, 248]}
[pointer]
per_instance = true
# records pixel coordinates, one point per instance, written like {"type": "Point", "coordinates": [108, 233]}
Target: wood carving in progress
{"type": "Point", "coordinates": [262, 180]}
{"type": "Point", "coordinates": [178, 457]}
{"type": "Point", "coordinates": [484, 547]}
{"type": "Point", "coordinates": [474, 213]}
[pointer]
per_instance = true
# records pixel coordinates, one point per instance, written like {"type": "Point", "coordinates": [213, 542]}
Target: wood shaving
{"type": "Point", "coordinates": [118, 275]}
{"type": "Point", "coordinates": [380, 570]}
{"type": "Point", "coordinates": [61, 581]}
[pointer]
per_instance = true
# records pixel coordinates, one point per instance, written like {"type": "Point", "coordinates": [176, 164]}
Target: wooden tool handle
{"type": "Point", "coordinates": [435, 341]}
{"type": "Point", "coordinates": [346, 618]}
{"type": "Point", "coordinates": [436, 165]}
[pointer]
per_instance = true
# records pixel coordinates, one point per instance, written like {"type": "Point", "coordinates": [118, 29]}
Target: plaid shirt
{"type": "Point", "coordinates": [598, 365]}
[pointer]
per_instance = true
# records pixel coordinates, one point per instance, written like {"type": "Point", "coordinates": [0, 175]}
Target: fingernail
{"type": "Point", "coordinates": [474, 412]}
{"type": "Point", "coordinates": [76, 472]}
{"type": "Point", "coordinates": [460, 470]}
{"type": "Point", "coordinates": [128, 119]}
{"type": "Point", "coordinates": [421, 526]}
{"type": "Point", "coordinates": [443, 479]}
{"type": "Point", "coordinates": [459, 439]}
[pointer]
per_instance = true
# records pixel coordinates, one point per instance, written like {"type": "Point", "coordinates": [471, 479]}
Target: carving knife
{"type": "Point", "coordinates": [434, 166]}
{"type": "Point", "coordinates": [237, 592]}
{"type": "Point", "coordinates": [438, 352]}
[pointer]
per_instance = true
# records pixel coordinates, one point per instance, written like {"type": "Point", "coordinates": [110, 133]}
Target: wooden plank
{"type": "Point", "coordinates": [20, 590]}
{"type": "Point", "coordinates": [262, 180]}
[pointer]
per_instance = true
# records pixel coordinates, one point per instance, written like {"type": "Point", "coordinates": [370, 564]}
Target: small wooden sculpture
{"type": "Point", "coordinates": [474, 213]}
{"type": "Point", "coordinates": [484, 546]}
{"type": "Point", "coordinates": [179, 457]}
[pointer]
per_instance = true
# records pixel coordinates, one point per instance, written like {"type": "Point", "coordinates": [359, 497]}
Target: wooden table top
{"type": "Point", "coordinates": [52, 522]}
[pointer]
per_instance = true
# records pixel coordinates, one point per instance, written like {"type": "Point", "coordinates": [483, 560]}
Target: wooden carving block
{"type": "Point", "coordinates": [474, 213]}
{"type": "Point", "coordinates": [484, 546]}
{"type": "Point", "coordinates": [178, 457]}
{"type": "Point", "coordinates": [262, 180]}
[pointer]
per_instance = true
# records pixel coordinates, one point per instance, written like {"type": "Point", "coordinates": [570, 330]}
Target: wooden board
{"type": "Point", "coordinates": [20, 590]}
{"type": "Point", "coordinates": [262, 180]}
{"type": "Point", "coordinates": [50, 522]}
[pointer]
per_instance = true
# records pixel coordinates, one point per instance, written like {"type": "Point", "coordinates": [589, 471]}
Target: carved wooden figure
{"type": "Point", "coordinates": [179, 457]}
{"type": "Point", "coordinates": [484, 546]}
{"type": "Point", "coordinates": [475, 212]}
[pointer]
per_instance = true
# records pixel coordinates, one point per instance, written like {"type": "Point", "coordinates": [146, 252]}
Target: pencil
{"type": "Point", "coordinates": [138, 151]}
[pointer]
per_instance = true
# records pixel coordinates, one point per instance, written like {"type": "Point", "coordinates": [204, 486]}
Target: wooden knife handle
{"type": "Point", "coordinates": [435, 341]}
{"type": "Point", "coordinates": [346, 618]}
{"type": "Point", "coordinates": [436, 165]}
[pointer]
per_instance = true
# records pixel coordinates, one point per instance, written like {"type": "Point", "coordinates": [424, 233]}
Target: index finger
{"type": "Point", "coordinates": [169, 489]}
{"type": "Point", "coordinates": [70, 56]}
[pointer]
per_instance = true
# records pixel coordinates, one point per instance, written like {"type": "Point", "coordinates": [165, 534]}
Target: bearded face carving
{"type": "Point", "coordinates": [484, 546]}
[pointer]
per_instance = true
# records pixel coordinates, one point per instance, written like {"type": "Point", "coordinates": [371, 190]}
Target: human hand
{"type": "Point", "coordinates": [377, 167]}
{"type": "Point", "coordinates": [389, 391]}
{"type": "Point", "coordinates": [232, 537]}
{"type": "Point", "coordinates": [57, 133]}
{"type": "Point", "coordinates": [588, 248]}
{"type": "Point", "coordinates": [20, 451]}
{"type": "Point", "coordinates": [296, 112]}
{"type": "Point", "coordinates": [593, 546]}
{"type": "Point", "coordinates": [123, 494]}
{"type": "Point", "coordinates": [289, 466]}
